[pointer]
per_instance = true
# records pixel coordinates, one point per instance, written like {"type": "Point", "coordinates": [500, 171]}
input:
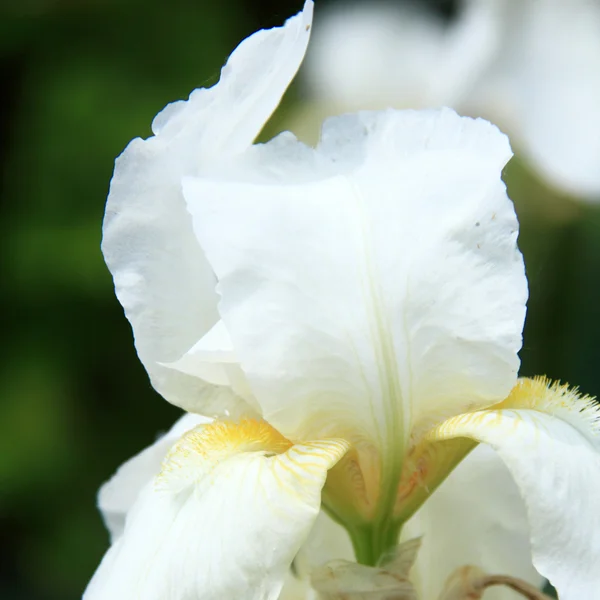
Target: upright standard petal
{"type": "Point", "coordinates": [119, 493]}
{"type": "Point", "coordinates": [352, 310]}
{"type": "Point", "coordinates": [224, 519]}
{"type": "Point", "coordinates": [549, 438]}
{"type": "Point", "coordinates": [161, 276]}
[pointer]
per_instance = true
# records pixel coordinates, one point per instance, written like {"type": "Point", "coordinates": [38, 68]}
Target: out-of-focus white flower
{"type": "Point", "coordinates": [532, 66]}
{"type": "Point", "coordinates": [380, 55]}
{"type": "Point", "coordinates": [347, 319]}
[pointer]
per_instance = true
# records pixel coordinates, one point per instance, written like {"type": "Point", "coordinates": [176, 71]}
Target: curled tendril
{"type": "Point", "coordinates": [470, 583]}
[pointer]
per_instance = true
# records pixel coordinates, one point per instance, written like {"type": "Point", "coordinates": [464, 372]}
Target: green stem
{"type": "Point", "coordinates": [361, 542]}
{"type": "Point", "coordinates": [374, 540]}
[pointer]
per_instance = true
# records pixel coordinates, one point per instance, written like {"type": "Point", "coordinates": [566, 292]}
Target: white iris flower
{"type": "Point", "coordinates": [342, 326]}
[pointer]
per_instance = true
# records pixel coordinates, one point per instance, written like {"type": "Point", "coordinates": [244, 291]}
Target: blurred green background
{"type": "Point", "coordinates": [80, 78]}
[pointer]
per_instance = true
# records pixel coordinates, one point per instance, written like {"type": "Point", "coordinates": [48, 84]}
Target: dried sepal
{"type": "Point", "coordinates": [344, 580]}
{"type": "Point", "coordinates": [400, 560]}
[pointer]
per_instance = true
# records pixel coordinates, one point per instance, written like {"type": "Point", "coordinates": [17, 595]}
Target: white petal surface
{"type": "Point", "coordinates": [376, 55]}
{"type": "Point", "coordinates": [476, 517]}
{"type": "Point", "coordinates": [213, 360]}
{"type": "Point", "coordinates": [224, 519]}
{"type": "Point", "coordinates": [327, 541]}
{"type": "Point", "coordinates": [119, 493]}
{"type": "Point", "coordinates": [296, 589]}
{"type": "Point", "coordinates": [543, 86]}
{"type": "Point", "coordinates": [550, 442]}
{"type": "Point", "coordinates": [209, 357]}
{"type": "Point", "coordinates": [161, 276]}
{"type": "Point", "coordinates": [373, 56]}
{"type": "Point", "coordinates": [384, 291]}
{"type": "Point", "coordinates": [557, 86]}
{"type": "Point", "coordinates": [471, 43]}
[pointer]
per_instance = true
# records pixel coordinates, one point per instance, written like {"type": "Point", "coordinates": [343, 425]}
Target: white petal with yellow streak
{"type": "Point", "coordinates": [224, 519]}
{"type": "Point", "coordinates": [549, 438]}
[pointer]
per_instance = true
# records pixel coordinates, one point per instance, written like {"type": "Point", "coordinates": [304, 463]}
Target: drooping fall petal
{"type": "Point", "coordinates": [224, 518]}
{"type": "Point", "coordinates": [549, 438]}
{"type": "Point", "coordinates": [119, 493]}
